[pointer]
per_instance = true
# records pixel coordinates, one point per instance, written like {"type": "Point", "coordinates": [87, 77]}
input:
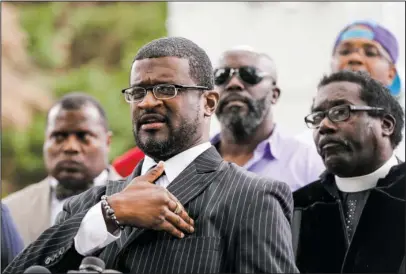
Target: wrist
{"type": "Point", "coordinates": [114, 203]}
{"type": "Point", "coordinates": [110, 224]}
{"type": "Point", "coordinates": [109, 214]}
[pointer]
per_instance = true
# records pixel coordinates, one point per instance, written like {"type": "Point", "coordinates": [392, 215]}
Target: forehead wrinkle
{"type": "Point", "coordinates": [328, 97]}
{"type": "Point", "coordinates": [160, 70]}
{"type": "Point", "coordinates": [86, 118]}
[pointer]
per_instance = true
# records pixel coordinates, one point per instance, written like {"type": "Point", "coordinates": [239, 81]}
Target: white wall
{"type": "Point", "coordinates": [298, 35]}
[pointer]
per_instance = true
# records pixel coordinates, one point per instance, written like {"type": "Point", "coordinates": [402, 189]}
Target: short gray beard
{"type": "Point", "coordinates": [243, 126]}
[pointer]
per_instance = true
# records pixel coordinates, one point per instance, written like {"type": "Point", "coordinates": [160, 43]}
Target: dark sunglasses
{"type": "Point", "coordinates": [249, 75]}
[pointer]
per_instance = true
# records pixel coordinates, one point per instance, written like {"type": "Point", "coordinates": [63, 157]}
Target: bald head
{"type": "Point", "coordinates": [258, 59]}
{"type": "Point", "coordinates": [246, 82]}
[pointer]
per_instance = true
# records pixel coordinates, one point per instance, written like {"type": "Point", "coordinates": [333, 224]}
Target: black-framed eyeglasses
{"type": "Point", "coordinates": [136, 94]}
{"type": "Point", "coordinates": [335, 114]}
{"type": "Point", "coordinates": [249, 75]}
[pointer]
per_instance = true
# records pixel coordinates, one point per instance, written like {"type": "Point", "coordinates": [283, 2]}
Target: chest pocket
{"type": "Point", "coordinates": [188, 255]}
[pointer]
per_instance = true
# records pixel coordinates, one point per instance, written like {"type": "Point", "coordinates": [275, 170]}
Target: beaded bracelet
{"type": "Point", "coordinates": [110, 211]}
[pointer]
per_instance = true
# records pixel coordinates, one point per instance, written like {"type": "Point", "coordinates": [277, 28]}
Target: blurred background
{"type": "Point", "coordinates": [52, 48]}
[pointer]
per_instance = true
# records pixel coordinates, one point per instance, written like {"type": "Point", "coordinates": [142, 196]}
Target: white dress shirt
{"type": "Point", "coordinates": [57, 205]}
{"type": "Point", "coordinates": [93, 235]}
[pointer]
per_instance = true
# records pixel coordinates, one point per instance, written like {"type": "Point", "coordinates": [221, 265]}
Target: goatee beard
{"type": "Point", "coordinates": [243, 126]}
{"type": "Point", "coordinates": [63, 192]}
{"type": "Point", "coordinates": [178, 139]}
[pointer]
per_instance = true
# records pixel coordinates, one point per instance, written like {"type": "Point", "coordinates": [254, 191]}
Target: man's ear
{"type": "Point", "coordinates": [108, 139]}
{"type": "Point", "coordinates": [211, 102]}
{"type": "Point", "coordinates": [276, 93]}
{"type": "Point", "coordinates": [391, 73]}
{"type": "Point", "coordinates": [388, 125]}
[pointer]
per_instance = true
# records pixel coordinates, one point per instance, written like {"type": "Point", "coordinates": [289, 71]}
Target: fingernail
{"type": "Point", "coordinates": [161, 163]}
{"type": "Point", "coordinates": [191, 229]}
{"type": "Point", "coordinates": [182, 235]}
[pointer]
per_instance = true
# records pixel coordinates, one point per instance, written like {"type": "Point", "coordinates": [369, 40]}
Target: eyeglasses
{"type": "Point", "coordinates": [335, 114]}
{"type": "Point", "coordinates": [369, 51]}
{"type": "Point", "coordinates": [249, 75]}
{"type": "Point", "coordinates": [136, 94]}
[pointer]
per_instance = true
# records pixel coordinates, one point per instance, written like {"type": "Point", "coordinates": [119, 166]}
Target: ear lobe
{"type": "Point", "coordinates": [276, 93]}
{"type": "Point", "coordinates": [109, 136]}
{"type": "Point", "coordinates": [211, 102]}
{"type": "Point", "coordinates": [392, 73]}
{"type": "Point", "coordinates": [388, 125]}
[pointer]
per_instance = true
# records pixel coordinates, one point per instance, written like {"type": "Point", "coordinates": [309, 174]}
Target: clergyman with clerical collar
{"type": "Point", "coordinates": [353, 218]}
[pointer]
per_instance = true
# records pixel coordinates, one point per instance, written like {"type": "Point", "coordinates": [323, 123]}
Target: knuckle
{"type": "Point", "coordinates": [163, 212]}
{"type": "Point", "coordinates": [160, 220]}
{"type": "Point", "coordinates": [153, 172]}
{"type": "Point", "coordinates": [173, 230]}
{"type": "Point", "coordinates": [167, 200]}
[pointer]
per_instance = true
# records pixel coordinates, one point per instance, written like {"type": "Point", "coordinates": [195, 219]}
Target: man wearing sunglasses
{"type": "Point", "coordinates": [352, 220]}
{"type": "Point", "coordinates": [249, 137]}
{"type": "Point", "coordinates": [368, 46]}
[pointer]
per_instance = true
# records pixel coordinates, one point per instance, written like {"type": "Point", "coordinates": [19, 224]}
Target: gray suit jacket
{"type": "Point", "coordinates": [30, 208]}
{"type": "Point", "coordinates": [242, 225]}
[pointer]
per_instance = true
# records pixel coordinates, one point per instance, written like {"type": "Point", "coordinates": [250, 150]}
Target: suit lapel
{"type": "Point", "coordinates": [195, 178]}
{"type": "Point", "coordinates": [190, 183]}
{"type": "Point", "coordinates": [378, 243]}
{"type": "Point", "coordinates": [321, 228]}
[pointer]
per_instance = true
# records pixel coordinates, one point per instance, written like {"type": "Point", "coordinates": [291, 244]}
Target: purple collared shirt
{"type": "Point", "coordinates": [284, 158]}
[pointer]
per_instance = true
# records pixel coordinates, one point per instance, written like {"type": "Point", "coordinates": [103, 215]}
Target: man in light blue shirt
{"type": "Point", "coordinates": [249, 136]}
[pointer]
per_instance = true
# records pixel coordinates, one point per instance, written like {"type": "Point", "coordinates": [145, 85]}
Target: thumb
{"type": "Point", "coordinates": [154, 173]}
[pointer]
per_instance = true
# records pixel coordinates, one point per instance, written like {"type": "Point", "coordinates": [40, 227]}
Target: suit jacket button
{"type": "Point", "coordinates": [47, 260]}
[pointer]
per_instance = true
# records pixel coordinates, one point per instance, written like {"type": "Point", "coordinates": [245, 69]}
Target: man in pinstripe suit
{"type": "Point", "coordinates": [238, 222]}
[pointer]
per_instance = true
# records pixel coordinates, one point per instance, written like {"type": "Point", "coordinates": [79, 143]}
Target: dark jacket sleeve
{"type": "Point", "coordinates": [11, 242]}
{"type": "Point", "coordinates": [54, 248]}
{"type": "Point", "coordinates": [264, 235]}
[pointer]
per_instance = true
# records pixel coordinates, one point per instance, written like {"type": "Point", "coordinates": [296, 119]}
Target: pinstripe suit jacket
{"type": "Point", "coordinates": [242, 224]}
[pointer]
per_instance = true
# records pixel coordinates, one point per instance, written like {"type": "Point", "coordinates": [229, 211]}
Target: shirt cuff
{"type": "Point", "coordinates": [93, 234]}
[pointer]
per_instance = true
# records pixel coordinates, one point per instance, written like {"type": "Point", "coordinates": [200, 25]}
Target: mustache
{"type": "Point", "coordinates": [235, 97]}
{"type": "Point", "coordinates": [68, 164]}
{"type": "Point", "coordinates": [150, 114]}
{"type": "Point", "coordinates": [332, 139]}
{"type": "Point", "coordinates": [356, 68]}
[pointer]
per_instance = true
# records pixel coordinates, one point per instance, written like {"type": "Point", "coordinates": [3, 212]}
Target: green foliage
{"type": "Point", "coordinates": [85, 47]}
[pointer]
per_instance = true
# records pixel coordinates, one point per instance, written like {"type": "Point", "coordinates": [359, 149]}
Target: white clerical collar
{"type": "Point", "coordinates": [175, 165]}
{"type": "Point", "coordinates": [100, 180]}
{"type": "Point", "coordinates": [361, 183]}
